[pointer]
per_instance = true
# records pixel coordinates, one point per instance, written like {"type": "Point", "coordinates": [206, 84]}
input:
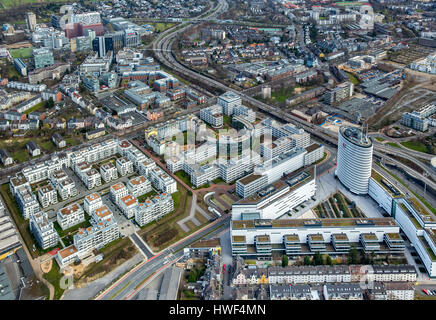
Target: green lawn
{"type": "Point", "coordinates": [227, 120]}
{"type": "Point", "coordinates": [22, 53]}
{"type": "Point", "coordinates": [48, 146]}
{"type": "Point", "coordinates": [144, 197]}
{"type": "Point", "coordinates": [380, 139]}
{"type": "Point", "coordinates": [185, 177]}
{"type": "Point", "coordinates": [54, 277]}
{"type": "Point", "coordinates": [392, 144]}
{"type": "Point", "coordinates": [14, 3]}
{"type": "Point", "coordinates": [34, 108]}
{"type": "Point", "coordinates": [282, 94]}
{"type": "Point", "coordinates": [415, 145]}
{"type": "Point", "coordinates": [20, 155]}
{"type": "Point", "coordinates": [162, 26]}
{"type": "Point", "coordinates": [353, 78]}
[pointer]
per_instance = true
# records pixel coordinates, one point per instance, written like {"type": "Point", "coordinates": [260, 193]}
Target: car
{"type": "Point", "coordinates": [224, 268]}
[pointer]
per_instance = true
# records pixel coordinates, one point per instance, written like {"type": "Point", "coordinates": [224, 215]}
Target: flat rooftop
{"type": "Point", "coordinates": [284, 182]}
{"type": "Point", "coordinates": [250, 178]}
{"type": "Point", "coordinates": [304, 223]}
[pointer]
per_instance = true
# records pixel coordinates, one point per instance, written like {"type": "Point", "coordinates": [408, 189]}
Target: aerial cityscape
{"type": "Point", "coordinates": [218, 150]}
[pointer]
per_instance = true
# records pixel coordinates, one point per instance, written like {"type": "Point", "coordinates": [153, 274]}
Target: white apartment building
{"type": "Point", "coordinates": [47, 195]}
{"type": "Point", "coordinates": [294, 275]}
{"type": "Point", "coordinates": [128, 205]}
{"type": "Point", "coordinates": [16, 182]}
{"type": "Point", "coordinates": [92, 179]}
{"type": "Point", "coordinates": [92, 201]}
{"type": "Point", "coordinates": [43, 230]}
{"type": "Point", "coordinates": [157, 145]}
{"type": "Point", "coordinates": [104, 229]}
{"type": "Point", "coordinates": [118, 191]}
{"type": "Point", "coordinates": [202, 174]}
{"type": "Point", "coordinates": [146, 166]}
{"type": "Point", "coordinates": [136, 156]}
{"type": "Point", "coordinates": [123, 147]}
{"type": "Point", "coordinates": [342, 291]}
{"type": "Point", "coordinates": [139, 186]}
{"type": "Point", "coordinates": [70, 216]}
{"type": "Point", "coordinates": [108, 172]}
{"type": "Point", "coordinates": [66, 188]}
{"type": "Point", "coordinates": [80, 168]}
{"type": "Point", "coordinates": [245, 113]}
{"type": "Point", "coordinates": [26, 201]}
{"type": "Point", "coordinates": [162, 181]}
{"type": "Point", "coordinates": [94, 153]}
{"type": "Point", "coordinates": [41, 171]}
{"type": "Point", "coordinates": [124, 166]}
{"type": "Point", "coordinates": [154, 209]}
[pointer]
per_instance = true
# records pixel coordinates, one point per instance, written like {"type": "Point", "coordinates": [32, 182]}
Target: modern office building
{"type": "Point", "coordinates": [229, 101]}
{"type": "Point", "coordinates": [263, 238]}
{"type": "Point", "coordinates": [277, 199]}
{"type": "Point", "coordinates": [354, 159]}
{"type": "Point", "coordinates": [42, 58]}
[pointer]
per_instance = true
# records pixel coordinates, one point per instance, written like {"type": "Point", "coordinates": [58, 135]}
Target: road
{"type": "Point", "coordinates": [133, 281]}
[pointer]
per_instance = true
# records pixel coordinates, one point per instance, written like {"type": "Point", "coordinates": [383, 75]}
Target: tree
{"type": "Point", "coordinates": [328, 261]}
{"type": "Point", "coordinates": [318, 259]}
{"type": "Point", "coordinates": [49, 103]}
{"type": "Point", "coordinates": [352, 256]}
{"type": "Point", "coordinates": [285, 260]}
{"type": "Point", "coordinates": [306, 260]}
